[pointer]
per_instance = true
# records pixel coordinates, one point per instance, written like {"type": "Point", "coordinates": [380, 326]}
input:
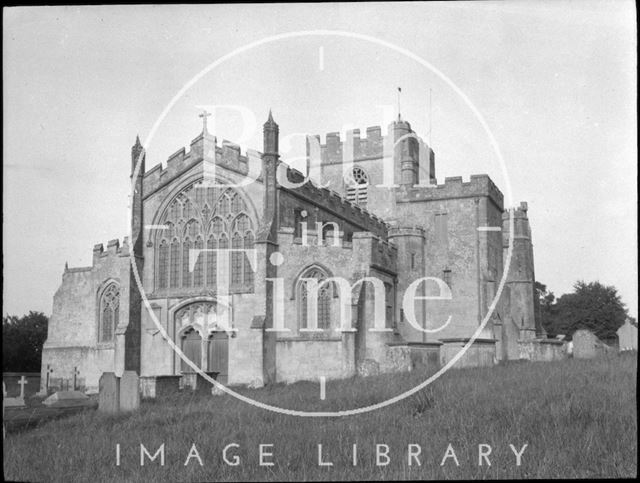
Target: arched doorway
{"type": "Point", "coordinates": [201, 339]}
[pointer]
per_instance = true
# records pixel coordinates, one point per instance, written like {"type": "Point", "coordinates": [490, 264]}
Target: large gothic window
{"type": "Point", "coordinates": [109, 309]}
{"type": "Point", "coordinates": [323, 295]}
{"type": "Point", "coordinates": [204, 218]}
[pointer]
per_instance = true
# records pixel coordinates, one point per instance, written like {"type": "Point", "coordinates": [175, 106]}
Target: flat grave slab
{"type": "Point", "coordinates": [66, 399]}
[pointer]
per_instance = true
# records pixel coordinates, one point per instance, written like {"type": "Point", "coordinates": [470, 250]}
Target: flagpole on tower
{"type": "Point", "coordinates": [430, 117]}
{"type": "Point", "coordinates": [399, 91]}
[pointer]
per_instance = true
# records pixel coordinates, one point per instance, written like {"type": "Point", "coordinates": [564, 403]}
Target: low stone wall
{"type": "Point", "coordinates": [482, 353]}
{"type": "Point", "coordinates": [542, 350]}
{"type": "Point", "coordinates": [62, 361]}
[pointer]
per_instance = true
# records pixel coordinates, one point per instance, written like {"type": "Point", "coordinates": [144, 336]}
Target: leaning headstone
{"type": "Point", "coordinates": [109, 393]}
{"type": "Point", "coordinates": [129, 391]}
{"type": "Point", "coordinates": [67, 399]}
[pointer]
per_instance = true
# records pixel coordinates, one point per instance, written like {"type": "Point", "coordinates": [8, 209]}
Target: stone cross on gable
{"type": "Point", "coordinates": [204, 117]}
{"type": "Point", "coordinates": [22, 382]}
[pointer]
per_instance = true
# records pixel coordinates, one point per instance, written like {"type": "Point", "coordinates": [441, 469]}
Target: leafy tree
{"type": "Point", "coordinates": [592, 306]}
{"type": "Point", "coordinates": [22, 341]}
{"type": "Point", "coordinates": [546, 311]}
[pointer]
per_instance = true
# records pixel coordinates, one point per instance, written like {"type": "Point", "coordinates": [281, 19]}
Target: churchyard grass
{"type": "Point", "coordinates": [578, 418]}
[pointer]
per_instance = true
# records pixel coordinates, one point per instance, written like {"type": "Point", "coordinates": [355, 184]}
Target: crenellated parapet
{"type": "Point", "coordinates": [114, 249]}
{"type": "Point", "coordinates": [372, 146]}
{"type": "Point", "coordinates": [521, 228]}
{"type": "Point", "coordinates": [204, 147]}
{"type": "Point", "coordinates": [332, 201]}
{"type": "Point", "coordinates": [454, 187]}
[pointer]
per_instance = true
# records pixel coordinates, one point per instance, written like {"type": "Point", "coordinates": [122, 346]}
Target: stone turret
{"type": "Point", "coordinates": [405, 154]}
{"type": "Point", "coordinates": [270, 160]}
{"type": "Point", "coordinates": [521, 275]}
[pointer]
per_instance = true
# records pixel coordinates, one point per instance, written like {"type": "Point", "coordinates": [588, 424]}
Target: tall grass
{"type": "Point", "coordinates": [578, 418]}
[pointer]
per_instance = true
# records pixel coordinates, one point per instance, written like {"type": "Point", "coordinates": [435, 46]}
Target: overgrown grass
{"type": "Point", "coordinates": [578, 418]}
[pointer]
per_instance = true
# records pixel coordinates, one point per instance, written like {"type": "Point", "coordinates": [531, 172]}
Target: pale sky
{"type": "Point", "coordinates": [554, 81]}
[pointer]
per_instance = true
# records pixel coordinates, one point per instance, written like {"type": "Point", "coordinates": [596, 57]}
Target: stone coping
{"type": "Point", "coordinates": [467, 339]}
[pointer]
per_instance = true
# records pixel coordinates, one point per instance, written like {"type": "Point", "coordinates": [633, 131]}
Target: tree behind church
{"type": "Point", "coordinates": [592, 306]}
{"type": "Point", "coordinates": [22, 341]}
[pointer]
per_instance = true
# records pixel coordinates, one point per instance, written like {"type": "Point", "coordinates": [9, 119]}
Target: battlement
{"type": "Point", "coordinates": [332, 201]}
{"type": "Point", "coordinates": [521, 227]}
{"type": "Point", "coordinates": [454, 187]}
{"type": "Point", "coordinates": [203, 147]}
{"type": "Point", "coordinates": [518, 211]}
{"type": "Point", "coordinates": [113, 249]}
{"type": "Point", "coordinates": [371, 146]}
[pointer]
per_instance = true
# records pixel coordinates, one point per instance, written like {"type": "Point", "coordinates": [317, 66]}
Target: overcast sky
{"type": "Point", "coordinates": [555, 82]}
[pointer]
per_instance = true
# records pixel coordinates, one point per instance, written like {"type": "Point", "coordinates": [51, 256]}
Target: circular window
{"type": "Point", "coordinates": [358, 176]}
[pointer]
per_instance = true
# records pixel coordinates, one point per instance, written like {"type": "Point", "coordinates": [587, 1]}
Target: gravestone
{"type": "Point", "coordinates": [129, 391]}
{"type": "Point", "coordinates": [203, 386]}
{"type": "Point", "coordinates": [585, 344]}
{"type": "Point", "coordinates": [67, 399]}
{"type": "Point", "coordinates": [16, 402]}
{"type": "Point", "coordinates": [109, 393]}
{"type": "Point", "coordinates": [167, 386]}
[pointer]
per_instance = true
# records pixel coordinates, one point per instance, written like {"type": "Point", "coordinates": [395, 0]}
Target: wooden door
{"type": "Point", "coordinates": [219, 355]}
{"type": "Point", "coordinates": [192, 348]}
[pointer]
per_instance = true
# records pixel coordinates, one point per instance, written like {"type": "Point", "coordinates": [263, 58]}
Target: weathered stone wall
{"type": "Point", "coordinates": [455, 251]}
{"type": "Point", "coordinates": [72, 337]}
{"type": "Point", "coordinates": [308, 359]}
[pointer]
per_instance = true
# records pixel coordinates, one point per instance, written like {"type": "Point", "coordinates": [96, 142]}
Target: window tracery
{"type": "Point", "coordinates": [109, 312]}
{"type": "Point", "coordinates": [199, 216]}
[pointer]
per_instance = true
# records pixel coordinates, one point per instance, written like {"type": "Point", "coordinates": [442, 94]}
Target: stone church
{"type": "Point", "coordinates": [376, 212]}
